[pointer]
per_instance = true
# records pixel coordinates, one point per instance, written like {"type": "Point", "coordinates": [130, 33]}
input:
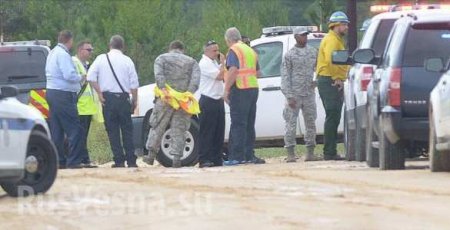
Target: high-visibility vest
{"type": "Point", "coordinates": [37, 100]}
{"type": "Point", "coordinates": [248, 59]}
{"type": "Point", "coordinates": [86, 102]}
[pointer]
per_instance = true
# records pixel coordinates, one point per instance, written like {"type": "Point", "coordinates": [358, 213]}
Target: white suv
{"type": "Point", "coordinates": [271, 47]}
{"type": "Point", "coordinates": [28, 158]}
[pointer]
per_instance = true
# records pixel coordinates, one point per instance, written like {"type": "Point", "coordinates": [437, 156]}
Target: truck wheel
{"type": "Point", "coordinates": [190, 153]}
{"type": "Point", "coordinates": [439, 160]}
{"type": "Point", "coordinates": [372, 154]}
{"type": "Point", "coordinates": [349, 139]}
{"type": "Point", "coordinates": [391, 154]}
{"type": "Point", "coordinates": [41, 165]}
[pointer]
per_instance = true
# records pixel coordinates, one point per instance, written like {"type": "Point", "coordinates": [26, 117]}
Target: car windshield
{"type": "Point", "coordinates": [24, 66]}
{"type": "Point", "coordinates": [423, 44]}
{"type": "Point", "coordinates": [269, 57]}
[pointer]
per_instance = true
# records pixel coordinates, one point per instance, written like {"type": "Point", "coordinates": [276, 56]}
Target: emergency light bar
{"type": "Point", "coordinates": [27, 43]}
{"type": "Point", "coordinates": [277, 30]}
{"type": "Point", "coordinates": [392, 8]}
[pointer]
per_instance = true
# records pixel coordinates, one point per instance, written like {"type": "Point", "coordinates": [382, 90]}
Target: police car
{"type": "Point", "coordinates": [28, 158]}
{"type": "Point", "coordinates": [271, 47]}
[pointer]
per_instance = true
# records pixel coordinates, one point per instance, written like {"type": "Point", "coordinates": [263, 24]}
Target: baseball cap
{"type": "Point", "coordinates": [302, 30]}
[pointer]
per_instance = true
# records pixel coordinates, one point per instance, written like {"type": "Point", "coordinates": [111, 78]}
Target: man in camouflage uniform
{"type": "Point", "coordinates": [182, 73]}
{"type": "Point", "coordinates": [297, 85]}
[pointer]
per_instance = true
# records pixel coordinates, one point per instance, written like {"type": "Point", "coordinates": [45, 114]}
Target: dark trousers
{"type": "Point", "coordinates": [212, 130]}
{"type": "Point", "coordinates": [85, 121]}
{"type": "Point", "coordinates": [117, 114]}
{"type": "Point", "coordinates": [242, 131]}
{"type": "Point", "coordinates": [64, 122]}
{"type": "Point", "coordinates": [332, 99]}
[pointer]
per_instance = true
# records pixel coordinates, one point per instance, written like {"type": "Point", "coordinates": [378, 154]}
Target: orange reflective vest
{"type": "Point", "coordinates": [37, 100]}
{"type": "Point", "coordinates": [248, 59]}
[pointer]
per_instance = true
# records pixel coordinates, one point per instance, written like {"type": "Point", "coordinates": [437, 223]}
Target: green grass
{"type": "Point", "coordinates": [98, 144]}
{"type": "Point", "coordinates": [100, 150]}
{"type": "Point", "coordinates": [299, 149]}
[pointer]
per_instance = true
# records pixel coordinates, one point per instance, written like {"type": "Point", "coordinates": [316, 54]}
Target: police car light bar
{"type": "Point", "coordinates": [27, 43]}
{"type": "Point", "coordinates": [286, 29]}
{"type": "Point", "coordinates": [392, 8]}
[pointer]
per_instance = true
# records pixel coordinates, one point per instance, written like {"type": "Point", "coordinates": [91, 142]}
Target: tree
{"type": "Point", "coordinates": [319, 11]}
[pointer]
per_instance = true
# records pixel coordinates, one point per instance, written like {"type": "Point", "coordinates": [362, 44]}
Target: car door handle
{"type": "Point", "coordinates": [272, 88]}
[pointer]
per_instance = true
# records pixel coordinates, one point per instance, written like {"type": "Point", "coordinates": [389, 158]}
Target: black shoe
{"type": "Point", "coordinates": [257, 160]}
{"type": "Point", "coordinates": [78, 166]}
{"type": "Point", "coordinates": [118, 166]}
{"type": "Point", "coordinates": [132, 165]}
{"type": "Point", "coordinates": [62, 167]}
{"type": "Point", "coordinates": [333, 158]}
{"type": "Point", "coordinates": [206, 164]}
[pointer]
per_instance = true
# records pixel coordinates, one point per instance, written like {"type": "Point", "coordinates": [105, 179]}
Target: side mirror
{"type": "Point", "coordinates": [434, 65]}
{"type": "Point", "coordinates": [341, 57]}
{"type": "Point", "coordinates": [8, 91]}
{"type": "Point", "coordinates": [364, 56]}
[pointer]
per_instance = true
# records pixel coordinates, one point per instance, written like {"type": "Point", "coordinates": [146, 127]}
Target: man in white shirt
{"type": "Point", "coordinates": [212, 116]}
{"type": "Point", "coordinates": [114, 77]}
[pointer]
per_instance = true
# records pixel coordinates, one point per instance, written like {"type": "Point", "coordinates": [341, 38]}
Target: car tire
{"type": "Point", "coordinates": [391, 154]}
{"type": "Point", "coordinates": [372, 153]}
{"type": "Point", "coordinates": [439, 160]}
{"type": "Point", "coordinates": [163, 156]}
{"type": "Point", "coordinates": [349, 139]}
{"type": "Point", "coordinates": [190, 155]}
{"type": "Point", "coordinates": [40, 178]}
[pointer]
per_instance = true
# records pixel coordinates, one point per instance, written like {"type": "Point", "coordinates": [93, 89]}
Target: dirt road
{"type": "Point", "coordinates": [319, 195]}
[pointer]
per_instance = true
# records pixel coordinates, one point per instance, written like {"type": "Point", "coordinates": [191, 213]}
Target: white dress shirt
{"type": "Point", "coordinates": [209, 85]}
{"type": "Point", "coordinates": [123, 66]}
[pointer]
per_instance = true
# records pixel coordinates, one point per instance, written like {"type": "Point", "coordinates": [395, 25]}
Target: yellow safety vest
{"type": "Point", "coordinates": [88, 103]}
{"type": "Point", "coordinates": [248, 59]}
{"type": "Point", "coordinates": [177, 100]}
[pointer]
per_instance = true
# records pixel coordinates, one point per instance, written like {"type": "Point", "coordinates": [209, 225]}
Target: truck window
{"type": "Point", "coordinates": [269, 57]}
{"type": "Point", "coordinates": [21, 66]}
{"type": "Point", "coordinates": [380, 38]}
{"type": "Point", "coordinates": [422, 44]}
{"type": "Point", "coordinates": [314, 43]}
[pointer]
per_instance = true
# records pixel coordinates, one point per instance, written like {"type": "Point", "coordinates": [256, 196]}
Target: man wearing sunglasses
{"type": "Point", "coordinates": [212, 117]}
{"type": "Point", "coordinates": [87, 100]}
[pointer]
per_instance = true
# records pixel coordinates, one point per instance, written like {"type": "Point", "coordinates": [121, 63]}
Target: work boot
{"type": "Point", "coordinates": [149, 158]}
{"type": "Point", "coordinates": [176, 162]}
{"type": "Point", "coordinates": [310, 154]}
{"type": "Point", "coordinates": [290, 154]}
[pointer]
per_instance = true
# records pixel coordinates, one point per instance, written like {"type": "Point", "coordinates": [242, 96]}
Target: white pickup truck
{"type": "Point", "coordinates": [271, 47]}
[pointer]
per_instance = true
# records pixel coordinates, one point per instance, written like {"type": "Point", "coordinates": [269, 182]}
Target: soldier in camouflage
{"type": "Point", "coordinates": [182, 73]}
{"type": "Point", "coordinates": [297, 85]}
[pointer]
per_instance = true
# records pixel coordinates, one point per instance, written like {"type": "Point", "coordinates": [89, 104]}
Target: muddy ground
{"type": "Point", "coordinates": [317, 195]}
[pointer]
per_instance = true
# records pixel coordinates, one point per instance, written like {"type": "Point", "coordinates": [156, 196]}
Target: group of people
{"type": "Point", "coordinates": [231, 79]}
{"type": "Point", "coordinates": [298, 86]}
{"type": "Point", "coordinates": [75, 90]}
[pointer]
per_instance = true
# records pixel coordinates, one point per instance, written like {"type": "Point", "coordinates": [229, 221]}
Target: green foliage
{"type": "Point", "coordinates": [320, 11]}
{"type": "Point", "coordinates": [148, 26]}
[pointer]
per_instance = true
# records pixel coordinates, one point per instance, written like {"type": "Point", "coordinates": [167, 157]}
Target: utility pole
{"type": "Point", "coordinates": [352, 27]}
